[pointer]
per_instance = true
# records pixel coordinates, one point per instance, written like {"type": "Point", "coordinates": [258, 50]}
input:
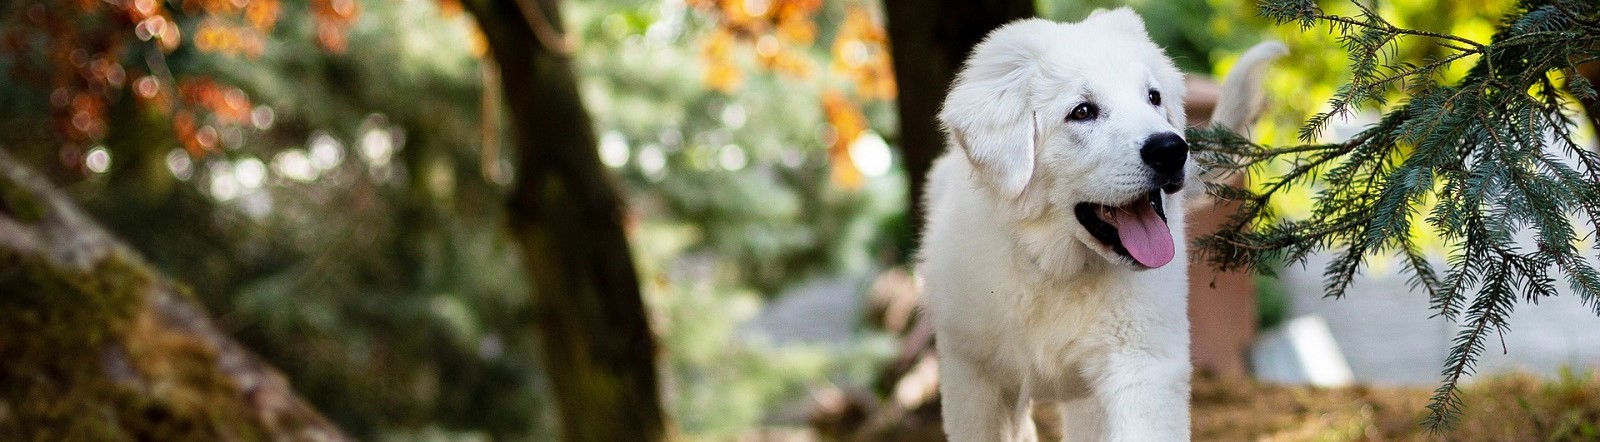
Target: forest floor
{"type": "Point", "coordinates": [1499, 408]}
{"type": "Point", "coordinates": [1512, 408]}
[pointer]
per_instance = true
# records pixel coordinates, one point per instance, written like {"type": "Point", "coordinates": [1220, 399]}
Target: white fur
{"type": "Point", "coordinates": [1026, 304]}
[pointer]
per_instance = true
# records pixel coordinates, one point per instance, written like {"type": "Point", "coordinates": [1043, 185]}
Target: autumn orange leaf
{"type": "Point", "coordinates": [846, 122]}
{"type": "Point", "coordinates": [861, 54]}
{"type": "Point", "coordinates": [79, 50]}
{"type": "Point", "coordinates": [721, 71]}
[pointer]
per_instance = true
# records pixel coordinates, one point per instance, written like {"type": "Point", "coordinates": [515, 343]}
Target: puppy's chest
{"type": "Point", "coordinates": [1065, 384]}
{"type": "Point", "coordinates": [1056, 337]}
{"type": "Point", "coordinates": [1053, 360]}
{"type": "Point", "coordinates": [1065, 328]}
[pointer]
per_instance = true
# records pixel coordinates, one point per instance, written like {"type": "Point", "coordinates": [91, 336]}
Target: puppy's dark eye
{"type": "Point", "coordinates": [1155, 97]}
{"type": "Point", "coordinates": [1084, 112]}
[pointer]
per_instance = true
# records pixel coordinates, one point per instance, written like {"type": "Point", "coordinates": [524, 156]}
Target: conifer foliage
{"type": "Point", "coordinates": [1489, 163]}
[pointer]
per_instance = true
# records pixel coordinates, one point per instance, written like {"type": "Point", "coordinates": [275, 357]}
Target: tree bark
{"type": "Point", "coordinates": [567, 214]}
{"type": "Point", "coordinates": [1591, 107]}
{"type": "Point", "coordinates": [928, 41]}
{"type": "Point", "coordinates": [98, 346]}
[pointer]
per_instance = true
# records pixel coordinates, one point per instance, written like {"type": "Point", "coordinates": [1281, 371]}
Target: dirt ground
{"type": "Point", "coordinates": [1508, 408]}
{"type": "Point", "coordinates": [1504, 408]}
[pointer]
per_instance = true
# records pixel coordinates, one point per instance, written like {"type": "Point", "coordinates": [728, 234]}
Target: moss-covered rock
{"type": "Point", "coordinates": [95, 346]}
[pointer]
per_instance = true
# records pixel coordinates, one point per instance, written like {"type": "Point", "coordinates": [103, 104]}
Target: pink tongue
{"type": "Point", "coordinates": [1144, 234]}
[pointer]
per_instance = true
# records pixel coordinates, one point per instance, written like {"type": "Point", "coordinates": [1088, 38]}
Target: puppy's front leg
{"type": "Point", "coordinates": [1083, 420]}
{"type": "Point", "coordinates": [977, 408]}
{"type": "Point", "coordinates": [1145, 397]}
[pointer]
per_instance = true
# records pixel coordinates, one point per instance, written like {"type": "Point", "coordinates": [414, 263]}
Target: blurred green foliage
{"type": "Point", "coordinates": [772, 214]}
{"type": "Point", "coordinates": [353, 233]}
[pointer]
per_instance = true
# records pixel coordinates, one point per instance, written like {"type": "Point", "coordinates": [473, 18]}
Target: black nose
{"type": "Point", "coordinates": [1165, 153]}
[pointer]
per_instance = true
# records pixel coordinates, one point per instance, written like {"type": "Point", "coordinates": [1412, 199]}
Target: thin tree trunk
{"type": "Point", "coordinates": [97, 346]}
{"type": "Point", "coordinates": [1591, 71]}
{"type": "Point", "coordinates": [928, 41]}
{"type": "Point", "coordinates": [567, 214]}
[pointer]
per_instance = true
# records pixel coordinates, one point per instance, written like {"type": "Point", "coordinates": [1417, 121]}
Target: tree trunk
{"type": "Point", "coordinates": [1591, 106]}
{"type": "Point", "coordinates": [98, 346]}
{"type": "Point", "coordinates": [567, 214]}
{"type": "Point", "coordinates": [928, 41]}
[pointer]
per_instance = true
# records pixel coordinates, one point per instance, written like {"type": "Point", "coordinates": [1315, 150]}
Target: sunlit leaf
{"type": "Point", "coordinates": [846, 123]}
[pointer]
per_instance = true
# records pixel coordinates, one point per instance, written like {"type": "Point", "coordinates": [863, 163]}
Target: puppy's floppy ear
{"type": "Point", "coordinates": [988, 112]}
{"type": "Point", "coordinates": [1121, 19]}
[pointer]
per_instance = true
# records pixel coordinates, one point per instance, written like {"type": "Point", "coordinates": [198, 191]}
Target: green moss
{"type": "Point", "coordinates": [18, 202]}
{"type": "Point", "coordinates": [52, 327]}
{"type": "Point", "coordinates": [86, 359]}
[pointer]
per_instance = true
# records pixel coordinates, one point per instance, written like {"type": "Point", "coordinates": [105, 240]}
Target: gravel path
{"type": "Point", "coordinates": [1386, 333]}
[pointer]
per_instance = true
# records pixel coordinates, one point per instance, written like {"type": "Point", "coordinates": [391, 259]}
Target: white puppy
{"type": "Point", "coordinates": [1054, 254]}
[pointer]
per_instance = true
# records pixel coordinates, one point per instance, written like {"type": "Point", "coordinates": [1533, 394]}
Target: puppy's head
{"type": "Point", "coordinates": [1086, 118]}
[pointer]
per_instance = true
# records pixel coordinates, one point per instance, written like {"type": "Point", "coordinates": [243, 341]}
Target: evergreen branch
{"type": "Point", "coordinates": [1389, 28]}
{"type": "Point", "coordinates": [1445, 405]}
{"type": "Point", "coordinates": [1423, 275]}
{"type": "Point", "coordinates": [1479, 149]}
{"type": "Point", "coordinates": [1430, 67]}
{"type": "Point", "coordinates": [1464, 273]}
{"type": "Point", "coordinates": [1593, 22]}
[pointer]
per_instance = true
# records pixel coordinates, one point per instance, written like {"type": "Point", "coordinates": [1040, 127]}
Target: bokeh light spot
{"type": "Point", "coordinates": [98, 160]}
{"type": "Point", "coordinates": [870, 154]}
{"type": "Point", "coordinates": [250, 173]}
{"type": "Point", "coordinates": [614, 149]}
{"type": "Point", "coordinates": [179, 164]}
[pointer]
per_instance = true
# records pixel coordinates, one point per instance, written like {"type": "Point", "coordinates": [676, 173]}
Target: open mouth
{"type": "Point", "coordinates": [1137, 229]}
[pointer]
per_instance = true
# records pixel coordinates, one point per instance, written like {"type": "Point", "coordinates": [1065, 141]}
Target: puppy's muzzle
{"type": "Point", "coordinates": [1166, 153]}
